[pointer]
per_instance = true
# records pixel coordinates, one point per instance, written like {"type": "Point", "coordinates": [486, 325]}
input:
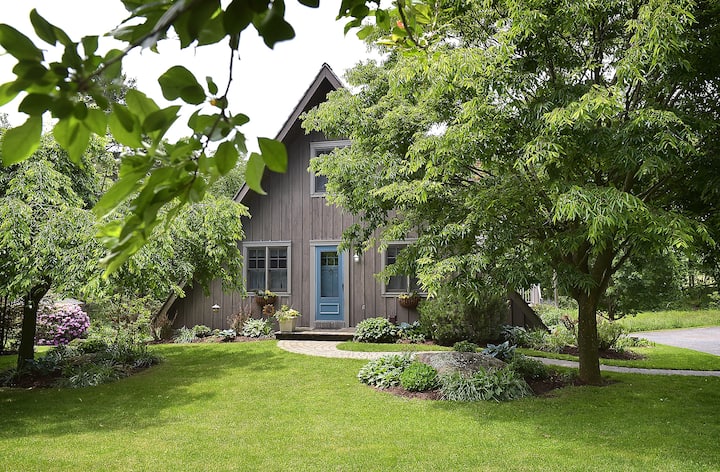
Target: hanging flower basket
{"type": "Point", "coordinates": [409, 301]}
{"type": "Point", "coordinates": [266, 297]}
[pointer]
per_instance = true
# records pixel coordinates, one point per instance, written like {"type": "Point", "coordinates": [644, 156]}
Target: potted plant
{"type": "Point", "coordinates": [265, 297]}
{"type": "Point", "coordinates": [409, 300]}
{"type": "Point", "coordinates": [287, 318]}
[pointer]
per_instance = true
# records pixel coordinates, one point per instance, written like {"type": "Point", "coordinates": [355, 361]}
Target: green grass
{"type": "Point", "coordinates": [657, 320]}
{"type": "Point", "coordinates": [659, 356]}
{"type": "Point", "coordinates": [380, 347]}
{"type": "Point", "coordinates": [251, 406]}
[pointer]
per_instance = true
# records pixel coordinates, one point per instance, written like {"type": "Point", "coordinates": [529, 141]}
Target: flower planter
{"type": "Point", "coordinates": [409, 303]}
{"type": "Point", "coordinates": [287, 326]}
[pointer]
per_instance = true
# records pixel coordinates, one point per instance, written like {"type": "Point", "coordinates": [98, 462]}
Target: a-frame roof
{"type": "Point", "coordinates": [325, 74]}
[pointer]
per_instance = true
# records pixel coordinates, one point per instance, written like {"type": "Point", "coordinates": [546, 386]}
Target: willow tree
{"type": "Point", "coordinates": [518, 138]}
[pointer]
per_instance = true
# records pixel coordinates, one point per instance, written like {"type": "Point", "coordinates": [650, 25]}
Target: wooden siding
{"type": "Point", "coordinates": [289, 213]}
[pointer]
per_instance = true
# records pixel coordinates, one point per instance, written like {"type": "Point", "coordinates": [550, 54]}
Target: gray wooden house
{"type": "Point", "coordinates": [291, 242]}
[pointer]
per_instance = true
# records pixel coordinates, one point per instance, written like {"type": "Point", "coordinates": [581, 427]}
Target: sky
{"type": "Point", "coordinates": [267, 83]}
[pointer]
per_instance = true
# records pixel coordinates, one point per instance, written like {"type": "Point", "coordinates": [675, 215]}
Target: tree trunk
{"type": "Point", "coordinates": [31, 303]}
{"type": "Point", "coordinates": [4, 324]}
{"type": "Point", "coordinates": [588, 340]}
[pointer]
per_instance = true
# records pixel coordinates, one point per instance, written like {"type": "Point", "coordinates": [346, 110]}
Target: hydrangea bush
{"type": "Point", "coordinates": [59, 324]}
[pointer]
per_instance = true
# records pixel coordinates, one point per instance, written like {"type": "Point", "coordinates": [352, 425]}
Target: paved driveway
{"type": "Point", "coordinates": [699, 339]}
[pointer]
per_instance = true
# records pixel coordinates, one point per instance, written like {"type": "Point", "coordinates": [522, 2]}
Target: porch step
{"type": "Point", "coordinates": [307, 334]}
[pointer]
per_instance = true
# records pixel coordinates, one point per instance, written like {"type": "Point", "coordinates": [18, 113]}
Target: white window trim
{"type": "Point", "coordinates": [321, 147]}
{"type": "Point", "coordinates": [383, 262]}
{"type": "Point", "coordinates": [269, 244]}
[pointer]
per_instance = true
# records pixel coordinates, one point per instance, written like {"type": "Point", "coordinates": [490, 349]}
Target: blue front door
{"type": "Point", "coordinates": [328, 284]}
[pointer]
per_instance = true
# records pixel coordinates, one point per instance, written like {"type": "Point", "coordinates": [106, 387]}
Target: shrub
{"type": "Point", "coordinates": [529, 369]}
{"type": "Point", "coordinates": [60, 324]}
{"type": "Point", "coordinates": [608, 334]}
{"type": "Point", "coordinates": [201, 331]}
{"type": "Point", "coordinates": [88, 375]}
{"type": "Point", "coordinates": [384, 372]}
{"type": "Point", "coordinates": [256, 327]}
{"type": "Point", "coordinates": [450, 317]}
{"type": "Point", "coordinates": [504, 351]}
{"type": "Point", "coordinates": [514, 335]}
{"type": "Point", "coordinates": [465, 346]}
{"type": "Point", "coordinates": [419, 377]}
{"type": "Point", "coordinates": [498, 385]}
{"type": "Point", "coordinates": [227, 335]}
{"type": "Point", "coordinates": [76, 367]}
{"type": "Point", "coordinates": [376, 330]}
{"type": "Point", "coordinates": [626, 342]}
{"type": "Point", "coordinates": [92, 345]}
{"type": "Point", "coordinates": [412, 333]}
{"type": "Point", "coordinates": [184, 335]}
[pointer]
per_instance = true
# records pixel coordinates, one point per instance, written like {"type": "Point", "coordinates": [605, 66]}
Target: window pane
{"type": "Point", "coordinates": [320, 183]}
{"type": "Point", "coordinates": [255, 279]}
{"type": "Point", "coordinates": [277, 271]}
{"type": "Point", "coordinates": [256, 258]}
{"type": "Point", "coordinates": [278, 258]}
{"type": "Point", "coordinates": [278, 280]}
{"type": "Point", "coordinates": [397, 283]}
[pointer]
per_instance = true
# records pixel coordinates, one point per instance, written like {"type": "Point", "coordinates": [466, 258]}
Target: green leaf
{"type": "Point", "coordinates": [35, 104]}
{"type": "Point", "coordinates": [8, 92]}
{"type": "Point", "coordinates": [254, 172]}
{"type": "Point", "coordinates": [73, 137]}
{"type": "Point", "coordinates": [117, 193]}
{"type": "Point", "coordinates": [90, 44]}
{"type": "Point", "coordinates": [237, 17]}
{"type": "Point", "coordinates": [161, 120]}
{"type": "Point", "coordinates": [226, 157]}
{"type": "Point", "coordinates": [19, 45]}
{"type": "Point", "coordinates": [114, 70]}
{"type": "Point", "coordinates": [20, 142]}
{"type": "Point", "coordinates": [212, 86]}
{"type": "Point", "coordinates": [123, 128]}
{"type": "Point", "coordinates": [310, 3]}
{"type": "Point", "coordinates": [272, 25]}
{"type": "Point", "coordinates": [139, 104]}
{"type": "Point", "coordinates": [43, 29]}
{"type": "Point", "coordinates": [96, 121]}
{"type": "Point", "coordinates": [178, 82]}
{"type": "Point", "coordinates": [274, 154]}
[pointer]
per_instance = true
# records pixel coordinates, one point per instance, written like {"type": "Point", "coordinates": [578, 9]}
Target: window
{"type": "Point", "coordinates": [398, 283]}
{"type": "Point", "coordinates": [266, 267]}
{"type": "Point", "coordinates": [318, 183]}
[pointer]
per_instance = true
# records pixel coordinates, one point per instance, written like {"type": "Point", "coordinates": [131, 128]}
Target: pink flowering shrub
{"type": "Point", "coordinates": [60, 324]}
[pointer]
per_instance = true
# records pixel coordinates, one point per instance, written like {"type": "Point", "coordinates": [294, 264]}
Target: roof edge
{"type": "Point", "coordinates": [325, 73]}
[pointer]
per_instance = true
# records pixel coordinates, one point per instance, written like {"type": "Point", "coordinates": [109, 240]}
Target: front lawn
{"type": "Point", "coordinates": [659, 356]}
{"type": "Point", "coordinates": [251, 406]}
{"type": "Point", "coordinates": [656, 320]}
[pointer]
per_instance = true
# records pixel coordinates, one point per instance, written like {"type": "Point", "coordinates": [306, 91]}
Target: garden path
{"type": "Point", "coordinates": [329, 349]}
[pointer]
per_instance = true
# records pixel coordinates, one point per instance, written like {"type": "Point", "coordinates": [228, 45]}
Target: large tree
{"type": "Point", "coordinates": [47, 232]}
{"type": "Point", "coordinates": [518, 138]}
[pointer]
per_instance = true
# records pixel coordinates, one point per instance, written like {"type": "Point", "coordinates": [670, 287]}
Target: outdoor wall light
{"type": "Point", "coordinates": [356, 257]}
{"type": "Point", "coordinates": [215, 308]}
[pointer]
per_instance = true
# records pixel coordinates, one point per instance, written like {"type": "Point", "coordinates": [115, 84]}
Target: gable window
{"type": "Point", "coordinates": [318, 183]}
{"type": "Point", "coordinates": [398, 283]}
{"type": "Point", "coordinates": [267, 267]}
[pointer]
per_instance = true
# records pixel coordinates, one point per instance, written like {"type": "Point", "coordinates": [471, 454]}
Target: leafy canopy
{"type": "Point", "coordinates": [518, 138]}
{"type": "Point", "coordinates": [154, 173]}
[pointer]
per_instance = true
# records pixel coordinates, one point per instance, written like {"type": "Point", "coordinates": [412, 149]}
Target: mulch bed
{"type": "Point", "coordinates": [608, 354]}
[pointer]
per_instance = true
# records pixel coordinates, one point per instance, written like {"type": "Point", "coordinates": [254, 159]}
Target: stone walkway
{"type": "Point", "coordinates": [329, 349]}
